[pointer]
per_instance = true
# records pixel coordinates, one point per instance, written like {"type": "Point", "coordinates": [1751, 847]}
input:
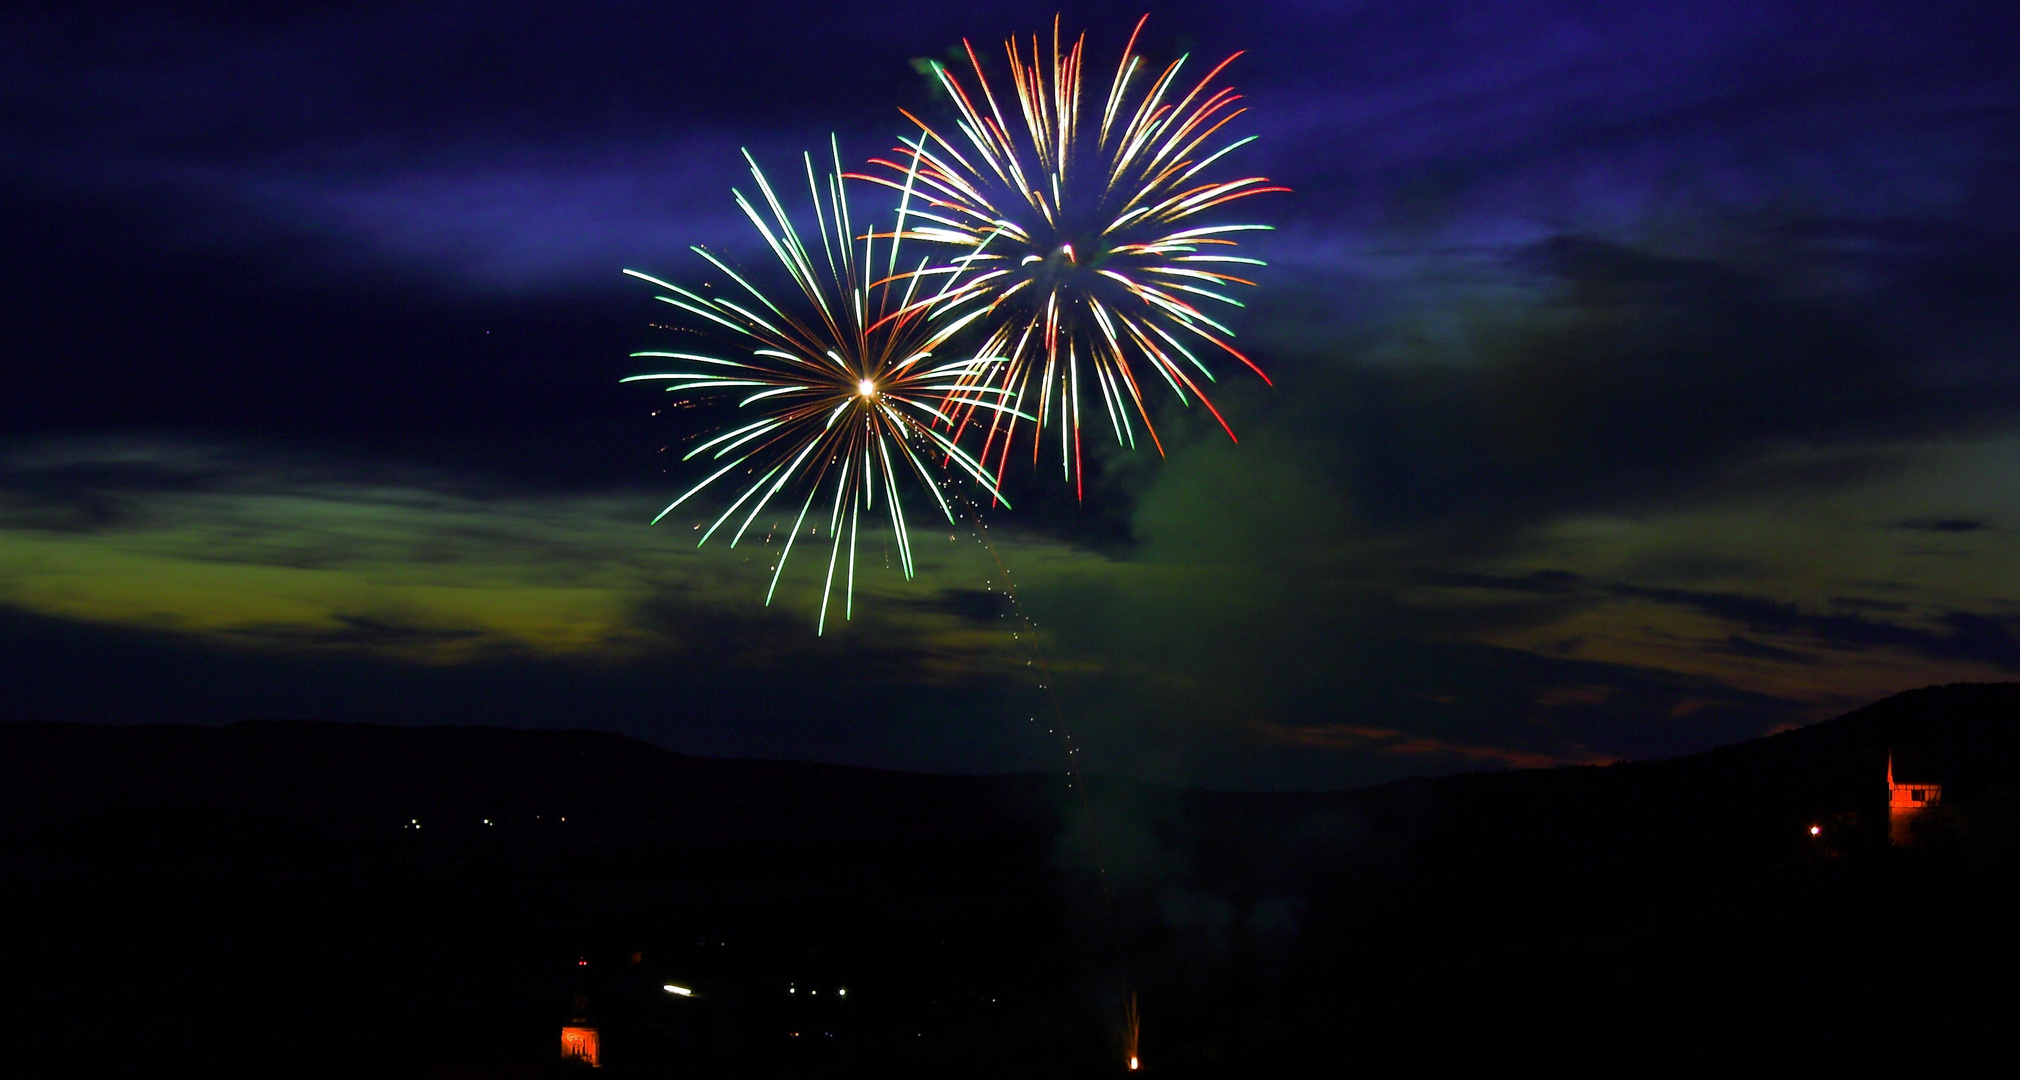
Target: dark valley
{"type": "Point", "coordinates": [299, 899]}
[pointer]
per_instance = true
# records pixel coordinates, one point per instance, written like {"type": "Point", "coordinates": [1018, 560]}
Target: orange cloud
{"type": "Point", "coordinates": [1393, 742]}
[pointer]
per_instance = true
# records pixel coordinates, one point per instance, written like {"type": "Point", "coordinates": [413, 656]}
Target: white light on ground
{"type": "Point", "coordinates": [681, 990]}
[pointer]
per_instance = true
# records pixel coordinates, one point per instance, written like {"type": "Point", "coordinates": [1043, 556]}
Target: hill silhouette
{"type": "Point", "coordinates": [308, 899]}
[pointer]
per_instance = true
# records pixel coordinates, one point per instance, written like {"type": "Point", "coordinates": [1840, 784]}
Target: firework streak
{"type": "Point", "coordinates": [843, 394]}
{"type": "Point", "coordinates": [1082, 241]}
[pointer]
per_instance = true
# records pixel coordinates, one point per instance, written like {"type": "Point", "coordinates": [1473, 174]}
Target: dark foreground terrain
{"type": "Point", "coordinates": [311, 900]}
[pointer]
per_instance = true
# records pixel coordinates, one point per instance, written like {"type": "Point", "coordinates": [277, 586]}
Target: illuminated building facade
{"type": "Point", "coordinates": [578, 1042]}
{"type": "Point", "coordinates": [578, 1036]}
{"type": "Point", "coordinates": [1905, 805]}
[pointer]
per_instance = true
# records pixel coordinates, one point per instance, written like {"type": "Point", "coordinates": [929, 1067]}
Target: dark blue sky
{"type": "Point", "coordinates": [1645, 378]}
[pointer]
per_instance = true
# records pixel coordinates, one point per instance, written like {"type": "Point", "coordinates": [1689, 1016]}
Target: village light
{"type": "Point", "coordinates": [1816, 830]}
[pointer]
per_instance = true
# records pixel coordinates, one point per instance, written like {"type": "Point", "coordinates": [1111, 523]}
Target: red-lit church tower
{"type": "Point", "coordinates": [578, 1036]}
{"type": "Point", "coordinates": [1906, 803]}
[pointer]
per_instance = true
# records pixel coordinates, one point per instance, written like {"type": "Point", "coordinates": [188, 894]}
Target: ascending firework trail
{"type": "Point", "coordinates": [1035, 642]}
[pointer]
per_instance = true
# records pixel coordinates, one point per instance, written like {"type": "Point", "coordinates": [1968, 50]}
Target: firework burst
{"type": "Point", "coordinates": [1082, 235]}
{"type": "Point", "coordinates": [844, 397]}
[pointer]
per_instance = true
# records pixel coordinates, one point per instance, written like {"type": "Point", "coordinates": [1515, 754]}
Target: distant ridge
{"type": "Point", "coordinates": [1967, 732]}
{"type": "Point", "coordinates": [368, 775]}
{"type": "Point", "coordinates": [1965, 735]}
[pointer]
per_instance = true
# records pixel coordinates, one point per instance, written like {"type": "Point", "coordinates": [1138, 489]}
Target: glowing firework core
{"type": "Point", "coordinates": [866, 388]}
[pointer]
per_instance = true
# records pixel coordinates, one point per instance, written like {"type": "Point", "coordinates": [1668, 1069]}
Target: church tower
{"type": "Point", "coordinates": [578, 1036]}
{"type": "Point", "coordinates": [1906, 803]}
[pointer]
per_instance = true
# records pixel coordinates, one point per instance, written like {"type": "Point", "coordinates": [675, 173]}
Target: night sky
{"type": "Point", "coordinates": [1645, 380]}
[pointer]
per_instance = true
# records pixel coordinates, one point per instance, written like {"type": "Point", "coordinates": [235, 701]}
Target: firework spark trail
{"type": "Point", "coordinates": [845, 391]}
{"type": "Point", "coordinates": [1085, 246]}
{"type": "Point", "coordinates": [1034, 641]}
{"type": "Point", "coordinates": [1132, 1034]}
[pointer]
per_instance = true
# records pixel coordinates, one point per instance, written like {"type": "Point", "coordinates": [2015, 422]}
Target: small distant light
{"type": "Point", "coordinates": [813, 991]}
{"type": "Point", "coordinates": [582, 963]}
{"type": "Point", "coordinates": [791, 990]}
{"type": "Point", "coordinates": [844, 991]}
{"type": "Point", "coordinates": [1816, 830]}
{"type": "Point", "coordinates": [1132, 1063]}
{"type": "Point", "coordinates": [681, 990]}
